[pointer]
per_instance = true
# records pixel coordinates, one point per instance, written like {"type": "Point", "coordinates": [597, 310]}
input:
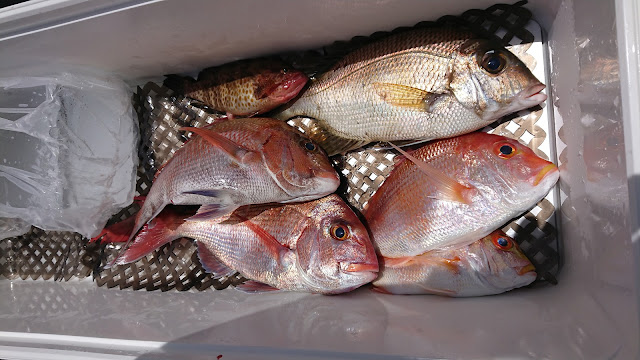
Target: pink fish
{"type": "Point", "coordinates": [239, 162]}
{"type": "Point", "coordinates": [491, 265]}
{"type": "Point", "coordinates": [454, 192]}
{"type": "Point", "coordinates": [318, 246]}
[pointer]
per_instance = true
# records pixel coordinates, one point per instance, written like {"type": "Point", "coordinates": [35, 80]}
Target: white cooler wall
{"type": "Point", "coordinates": [592, 313]}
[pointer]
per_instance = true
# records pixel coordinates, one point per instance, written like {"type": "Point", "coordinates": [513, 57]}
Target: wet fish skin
{"type": "Point", "coordinates": [261, 160]}
{"type": "Point", "coordinates": [289, 247]}
{"type": "Point", "coordinates": [489, 266]}
{"type": "Point", "coordinates": [242, 88]}
{"type": "Point", "coordinates": [421, 84]}
{"type": "Point", "coordinates": [408, 215]}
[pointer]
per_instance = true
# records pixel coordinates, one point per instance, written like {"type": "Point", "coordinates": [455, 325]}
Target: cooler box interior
{"type": "Point", "coordinates": [592, 313]}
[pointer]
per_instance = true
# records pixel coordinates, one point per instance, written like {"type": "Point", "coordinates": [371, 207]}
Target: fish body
{"type": "Point", "coordinates": [242, 88]}
{"type": "Point", "coordinates": [239, 162]}
{"type": "Point", "coordinates": [423, 84]}
{"type": "Point", "coordinates": [495, 179]}
{"type": "Point", "coordinates": [318, 246]}
{"type": "Point", "coordinates": [491, 265]}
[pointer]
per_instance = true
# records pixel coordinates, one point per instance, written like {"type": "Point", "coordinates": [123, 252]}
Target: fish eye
{"type": "Point", "coordinates": [503, 243]}
{"type": "Point", "coordinates": [506, 151]}
{"type": "Point", "coordinates": [339, 232]}
{"type": "Point", "coordinates": [310, 146]}
{"type": "Point", "coordinates": [493, 62]}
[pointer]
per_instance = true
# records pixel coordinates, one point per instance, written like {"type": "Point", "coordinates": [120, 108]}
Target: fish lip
{"type": "Point", "coordinates": [533, 93]}
{"type": "Point", "coordinates": [526, 269]}
{"type": "Point", "coordinates": [548, 169]}
{"type": "Point", "coordinates": [359, 267]}
{"type": "Point", "coordinates": [290, 88]}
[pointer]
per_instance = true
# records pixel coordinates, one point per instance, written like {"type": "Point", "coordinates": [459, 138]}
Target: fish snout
{"type": "Point", "coordinates": [290, 86]}
{"type": "Point", "coordinates": [359, 267]}
{"type": "Point", "coordinates": [549, 171]}
{"type": "Point", "coordinates": [533, 95]}
{"type": "Point", "coordinates": [526, 269]}
{"type": "Point", "coordinates": [327, 181]}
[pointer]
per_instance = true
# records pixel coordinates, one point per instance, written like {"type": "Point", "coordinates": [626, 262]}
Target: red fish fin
{"type": "Point", "coordinates": [270, 243]}
{"type": "Point", "coordinates": [441, 292]}
{"type": "Point", "coordinates": [212, 264]}
{"type": "Point", "coordinates": [406, 96]}
{"type": "Point", "coordinates": [396, 262]}
{"type": "Point", "coordinates": [118, 232]}
{"type": "Point", "coordinates": [252, 286]}
{"type": "Point", "coordinates": [448, 188]}
{"type": "Point", "coordinates": [161, 230]}
{"type": "Point", "coordinates": [211, 212]}
{"type": "Point", "coordinates": [452, 264]}
{"type": "Point", "coordinates": [232, 149]}
{"type": "Point", "coordinates": [381, 290]}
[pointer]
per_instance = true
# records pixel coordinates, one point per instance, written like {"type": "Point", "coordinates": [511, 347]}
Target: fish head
{"type": "Point", "coordinates": [507, 170]}
{"type": "Point", "coordinates": [493, 81]}
{"type": "Point", "coordinates": [500, 262]}
{"type": "Point", "coordinates": [280, 86]}
{"type": "Point", "coordinates": [298, 165]}
{"type": "Point", "coordinates": [334, 251]}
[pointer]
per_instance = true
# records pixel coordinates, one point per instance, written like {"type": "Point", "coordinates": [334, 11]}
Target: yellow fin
{"type": "Point", "coordinates": [405, 96]}
{"type": "Point", "coordinates": [448, 188]}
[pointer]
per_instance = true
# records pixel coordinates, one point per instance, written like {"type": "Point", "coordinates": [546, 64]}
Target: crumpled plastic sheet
{"type": "Point", "coordinates": [68, 150]}
{"type": "Point", "coordinates": [13, 227]}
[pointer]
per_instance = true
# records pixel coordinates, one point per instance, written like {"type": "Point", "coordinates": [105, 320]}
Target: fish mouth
{"type": "Point", "coordinates": [359, 267]}
{"type": "Point", "coordinates": [526, 269]}
{"type": "Point", "coordinates": [533, 94]}
{"type": "Point", "coordinates": [328, 181]}
{"type": "Point", "coordinates": [289, 88]}
{"type": "Point", "coordinates": [543, 173]}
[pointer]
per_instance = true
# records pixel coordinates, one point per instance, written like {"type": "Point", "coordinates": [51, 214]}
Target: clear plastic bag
{"type": "Point", "coordinates": [68, 150]}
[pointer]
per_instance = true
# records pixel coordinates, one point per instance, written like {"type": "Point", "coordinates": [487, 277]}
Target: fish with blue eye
{"type": "Point", "coordinates": [489, 266]}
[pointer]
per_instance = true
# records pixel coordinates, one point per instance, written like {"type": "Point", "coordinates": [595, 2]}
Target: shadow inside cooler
{"type": "Point", "coordinates": [582, 305]}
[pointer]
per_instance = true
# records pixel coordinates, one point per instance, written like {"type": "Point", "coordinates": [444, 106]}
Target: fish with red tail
{"type": "Point", "coordinates": [318, 246]}
{"type": "Point", "coordinates": [489, 266]}
{"type": "Point", "coordinates": [242, 88]}
{"type": "Point", "coordinates": [239, 162]}
{"type": "Point", "coordinates": [423, 84]}
{"type": "Point", "coordinates": [455, 191]}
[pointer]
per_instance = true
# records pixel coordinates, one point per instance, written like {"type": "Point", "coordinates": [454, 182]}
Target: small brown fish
{"type": "Point", "coordinates": [318, 246]}
{"type": "Point", "coordinates": [242, 88]}
{"type": "Point", "coordinates": [491, 265]}
{"type": "Point", "coordinates": [422, 84]}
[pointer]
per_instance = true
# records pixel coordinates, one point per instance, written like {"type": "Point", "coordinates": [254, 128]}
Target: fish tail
{"type": "Point", "coordinates": [161, 230]}
{"type": "Point", "coordinates": [120, 231]}
{"type": "Point", "coordinates": [177, 83]}
{"type": "Point", "coordinates": [150, 208]}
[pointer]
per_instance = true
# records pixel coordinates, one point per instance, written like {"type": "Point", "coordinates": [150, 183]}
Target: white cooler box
{"type": "Point", "coordinates": [591, 314]}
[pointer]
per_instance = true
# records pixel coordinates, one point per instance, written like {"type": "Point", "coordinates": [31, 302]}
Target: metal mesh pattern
{"type": "Point", "coordinates": [55, 255]}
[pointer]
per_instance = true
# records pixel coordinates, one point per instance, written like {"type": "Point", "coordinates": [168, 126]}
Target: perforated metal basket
{"type": "Point", "coordinates": [59, 255]}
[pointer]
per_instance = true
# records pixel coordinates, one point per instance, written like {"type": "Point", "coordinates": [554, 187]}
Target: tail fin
{"type": "Point", "coordinates": [120, 231]}
{"type": "Point", "coordinates": [161, 230]}
{"type": "Point", "coordinates": [177, 83]}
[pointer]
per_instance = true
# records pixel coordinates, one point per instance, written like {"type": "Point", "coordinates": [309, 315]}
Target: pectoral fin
{"type": "Point", "coordinates": [213, 211]}
{"type": "Point", "coordinates": [252, 286]}
{"type": "Point", "coordinates": [447, 187]}
{"type": "Point", "coordinates": [212, 264]}
{"type": "Point", "coordinates": [406, 96]}
{"type": "Point", "coordinates": [231, 148]}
